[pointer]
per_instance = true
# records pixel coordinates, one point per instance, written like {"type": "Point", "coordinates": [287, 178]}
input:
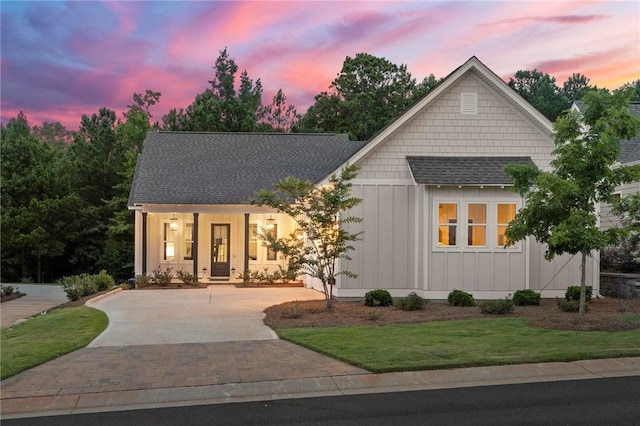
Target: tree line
{"type": "Point", "coordinates": [64, 193]}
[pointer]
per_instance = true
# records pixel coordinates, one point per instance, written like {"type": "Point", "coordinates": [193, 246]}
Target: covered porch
{"type": "Point", "coordinates": [212, 242]}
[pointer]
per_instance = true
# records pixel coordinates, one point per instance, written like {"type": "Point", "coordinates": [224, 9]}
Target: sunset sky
{"type": "Point", "coordinates": [60, 60]}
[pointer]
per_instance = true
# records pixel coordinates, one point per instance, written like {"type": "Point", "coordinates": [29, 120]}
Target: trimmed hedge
{"type": "Point", "coordinates": [378, 298]}
{"type": "Point", "coordinates": [526, 298]}
{"type": "Point", "coordinates": [460, 298]}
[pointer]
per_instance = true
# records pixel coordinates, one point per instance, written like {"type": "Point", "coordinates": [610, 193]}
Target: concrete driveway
{"type": "Point", "coordinates": [221, 313]}
{"type": "Point", "coordinates": [39, 297]}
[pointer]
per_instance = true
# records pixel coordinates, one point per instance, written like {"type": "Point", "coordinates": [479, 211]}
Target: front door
{"type": "Point", "coordinates": [220, 250]}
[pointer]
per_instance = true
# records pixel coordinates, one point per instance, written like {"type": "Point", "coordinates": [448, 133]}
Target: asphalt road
{"type": "Point", "coordinates": [586, 402]}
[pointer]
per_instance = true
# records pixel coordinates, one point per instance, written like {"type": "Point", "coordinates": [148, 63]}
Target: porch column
{"type": "Point", "coordinates": [195, 244]}
{"type": "Point", "coordinates": [144, 243]}
{"type": "Point", "coordinates": [246, 243]}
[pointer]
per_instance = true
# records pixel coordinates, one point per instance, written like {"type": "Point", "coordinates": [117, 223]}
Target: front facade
{"type": "Point", "coordinates": [435, 203]}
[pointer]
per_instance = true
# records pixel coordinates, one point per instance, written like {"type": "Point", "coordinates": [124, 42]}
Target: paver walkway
{"type": "Point", "coordinates": [39, 297]}
{"type": "Point", "coordinates": [110, 369]}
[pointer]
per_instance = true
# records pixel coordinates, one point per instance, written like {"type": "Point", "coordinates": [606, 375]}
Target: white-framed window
{"type": "Point", "coordinates": [253, 241]}
{"type": "Point", "coordinates": [273, 230]}
{"type": "Point", "coordinates": [177, 241]}
{"type": "Point", "coordinates": [447, 224]}
{"type": "Point", "coordinates": [506, 212]}
{"type": "Point", "coordinates": [168, 242]}
{"type": "Point", "coordinates": [477, 224]}
{"type": "Point", "coordinates": [258, 252]}
{"type": "Point", "coordinates": [473, 225]}
{"type": "Point", "coordinates": [188, 241]}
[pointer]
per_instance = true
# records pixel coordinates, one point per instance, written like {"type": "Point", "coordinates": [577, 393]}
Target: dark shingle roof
{"type": "Point", "coordinates": [630, 149]}
{"type": "Point", "coordinates": [227, 168]}
{"type": "Point", "coordinates": [462, 170]}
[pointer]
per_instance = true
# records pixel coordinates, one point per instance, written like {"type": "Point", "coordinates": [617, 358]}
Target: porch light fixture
{"type": "Point", "coordinates": [271, 223]}
{"type": "Point", "coordinates": [173, 224]}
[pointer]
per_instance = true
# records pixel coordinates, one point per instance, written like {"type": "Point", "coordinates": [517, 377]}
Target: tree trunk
{"type": "Point", "coordinates": [583, 287]}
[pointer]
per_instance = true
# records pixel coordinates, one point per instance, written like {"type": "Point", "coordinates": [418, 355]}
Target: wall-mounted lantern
{"type": "Point", "coordinates": [173, 224]}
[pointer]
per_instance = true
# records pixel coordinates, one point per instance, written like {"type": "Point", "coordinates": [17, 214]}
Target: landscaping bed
{"type": "Point", "coordinates": [604, 314]}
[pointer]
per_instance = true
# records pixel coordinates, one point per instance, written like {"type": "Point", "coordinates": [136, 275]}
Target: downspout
{"type": "Point", "coordinates": [246, 243]}
{"type": "Point", "coordinates": [144, 243]}
{"type": "Point", "coordinates": [195, 244]}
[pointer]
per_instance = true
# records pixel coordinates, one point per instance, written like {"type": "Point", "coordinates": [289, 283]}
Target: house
{"type": "Point", "coordinates": [435, 203]}
{"type": "Point", "coordinates": [629, 155]}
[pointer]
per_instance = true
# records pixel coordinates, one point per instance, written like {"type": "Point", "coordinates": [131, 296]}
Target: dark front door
{"type": "Point", "coordinates": [220, 250]}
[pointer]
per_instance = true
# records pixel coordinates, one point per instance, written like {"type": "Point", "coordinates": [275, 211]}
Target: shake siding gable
{"type": "Point", "coordinates": [440, 129]}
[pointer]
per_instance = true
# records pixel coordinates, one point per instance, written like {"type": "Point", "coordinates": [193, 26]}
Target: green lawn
{"type": "Point", "coordinates": [451, 344]}
{"type": "Point", "coordinates": [46, 337]}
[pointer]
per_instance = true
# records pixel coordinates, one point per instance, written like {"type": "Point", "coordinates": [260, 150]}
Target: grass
{"type": "Point", "coordinates": [452, 344]}
{"type": "Point", "coordinates": [46, 337]}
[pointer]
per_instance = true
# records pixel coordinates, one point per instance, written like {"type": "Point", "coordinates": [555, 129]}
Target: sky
{"type": "Point", "coordinates": [63, 59]}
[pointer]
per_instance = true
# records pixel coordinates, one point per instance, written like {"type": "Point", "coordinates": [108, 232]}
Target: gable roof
{"type": "Point", "coordinates": [473, 64]}
{"type": "Point", "coordinates": [227, 168]}
{"type": "Point", "coordinates": [429, 170]}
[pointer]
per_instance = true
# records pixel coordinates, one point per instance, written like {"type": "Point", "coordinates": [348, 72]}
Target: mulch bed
{"type": "Point", "coordinates": [12, 296]}
{"type": "Point", "coordinates": [604, 314]}
{"type": "Point", "coordinates": [275, 285]}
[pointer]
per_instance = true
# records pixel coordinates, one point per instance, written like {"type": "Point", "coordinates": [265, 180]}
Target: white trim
{"type": "Point", "coordinates": [491, 225]}
{"type": "Point", "coordinates": [385, 182]}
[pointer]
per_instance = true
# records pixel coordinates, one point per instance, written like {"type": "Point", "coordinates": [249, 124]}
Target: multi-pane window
{"type": "Point", "coordinates": [253, 241]}
{"type": "Point", "coordinates": [477, 225]}
{"type": "Point", "coordinates": [273, 230]}
{"type": "Point", "coordinates": [506, 213]}
{"type": "Point", "coordinates": [168, 241]}
{"type": "Point", "coordinates": [447, 224]}
{"type": "Point", "coordinates": [188, 241]}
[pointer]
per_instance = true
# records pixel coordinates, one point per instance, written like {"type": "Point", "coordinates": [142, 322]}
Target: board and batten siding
{"type": "Point", "coordinates": [385, 256]}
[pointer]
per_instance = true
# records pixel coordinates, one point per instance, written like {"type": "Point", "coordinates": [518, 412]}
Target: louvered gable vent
{"type": "Point", "coordinates": [468, 103]}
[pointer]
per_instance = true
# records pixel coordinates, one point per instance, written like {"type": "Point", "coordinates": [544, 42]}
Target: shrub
{"type": "Point", "coordinates": [78, 286]}
{"type": "Point", "coordinates": [292, 312]}
{"type": "Point", "coordinates": [103, 281]}
{"type": "Point", "coordinates": [378, 297]}
{"type": "Point", "coordinates": [573, 293]}
{"type": "Point", "coordinates": [569, 305]}
{"type": "Point", "coordinates": [460, 298]}
{"type": "Point", "coordinates": [526, 298]}
{"type": "Point", "coordinates": [497, 307]}
{"type": "Point", "coordinates": [188, 278]}
{"type": "Point", "coordinates": [143, 281]}
{"type": "Point", "coordinates": [374, 314]}
{"type": "Point", "coordinates": [162, 278]}
{"type": "Point", "coordinates": [8, 290]}
{"type": "Point", "coordinates": [412, 302]}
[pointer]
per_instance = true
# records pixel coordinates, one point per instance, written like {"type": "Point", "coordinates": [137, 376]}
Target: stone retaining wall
{"type": "Point", "coordinates": [620, 285]}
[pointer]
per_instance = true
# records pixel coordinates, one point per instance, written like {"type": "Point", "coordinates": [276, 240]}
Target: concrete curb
{"type": "Point", "coordinates": [317, 387]}
{"type": "Point", "coordinates": [102, 296]}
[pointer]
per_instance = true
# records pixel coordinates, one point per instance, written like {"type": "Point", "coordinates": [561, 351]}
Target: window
{"type": "Point", "coordinates": [253, 241]}
{"type": "Point", "coordinates": [506, 213]}
{"type": "Point", "coordinates": [168, 238]}
{"type": "Point", "coordinates": [273, 230]}
{"type": "Point", "coordinates": [447, 224]}
{"type": "Point", "coordinates": [477, 228]}
{"type": "Point", "coordinates": [188, 241]}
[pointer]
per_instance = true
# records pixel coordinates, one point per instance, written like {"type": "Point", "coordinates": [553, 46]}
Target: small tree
{"type": "Point", "coordinates": [560, 208]}
{"type": "Point", "coordinates": [317, 211]}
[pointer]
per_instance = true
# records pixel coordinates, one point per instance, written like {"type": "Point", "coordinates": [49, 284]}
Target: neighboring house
{"type": "Point", "coordinates": [435, 203]}
{"type": "Point", "coordinates": [629, 155]}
